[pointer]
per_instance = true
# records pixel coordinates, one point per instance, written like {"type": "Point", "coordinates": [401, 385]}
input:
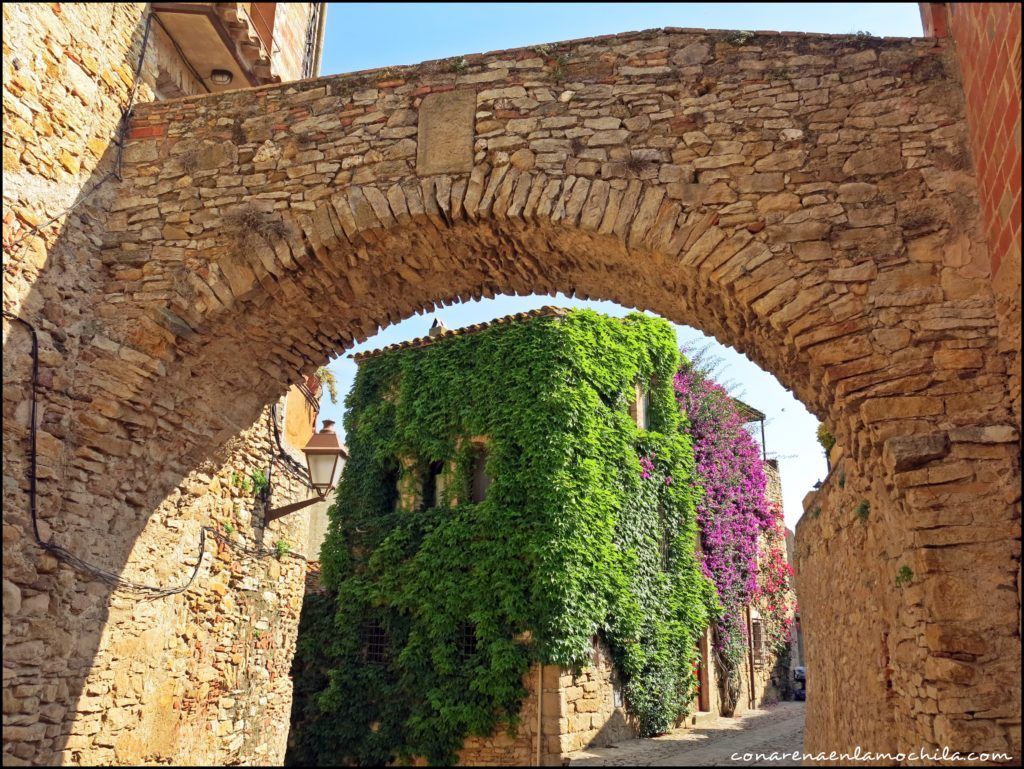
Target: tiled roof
{"type": "Point", "coordinates": [543, 312]}
{"type": "Point", "coordinates": [749, 413]}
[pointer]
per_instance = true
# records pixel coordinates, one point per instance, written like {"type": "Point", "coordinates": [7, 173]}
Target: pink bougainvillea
{"type": "Point", "coordinates": [774, 581]}
{"type": "Point", "coordinates": [734, 514]}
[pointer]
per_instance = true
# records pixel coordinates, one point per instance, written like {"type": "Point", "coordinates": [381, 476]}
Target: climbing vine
{"type": "Point", "coordinates": [776, 599]}
{"type": "Point", "coordinates": [732, 513]}
{"type": "Point", "coordinates": [587, 529]}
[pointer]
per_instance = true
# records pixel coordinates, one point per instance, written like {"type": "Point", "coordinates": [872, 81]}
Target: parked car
{"type": "Point", "coordinates": [800, 684]}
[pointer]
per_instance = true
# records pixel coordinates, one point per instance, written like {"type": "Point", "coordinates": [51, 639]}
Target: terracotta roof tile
{"type": "Point", "coordinates": [547, 311]}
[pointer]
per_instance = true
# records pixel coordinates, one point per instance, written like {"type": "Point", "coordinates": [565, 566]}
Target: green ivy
{"type": "Point", "coordinates": [574, 539]}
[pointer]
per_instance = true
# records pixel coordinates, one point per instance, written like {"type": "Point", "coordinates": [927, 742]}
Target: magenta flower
{"type": "Point", "coordinates": [734, 512]}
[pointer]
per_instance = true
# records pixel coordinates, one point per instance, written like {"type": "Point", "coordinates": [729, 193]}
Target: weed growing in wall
{"type": "Point", "coordinates": [260, 482]}
{"type": "Point", "coordinates": [904, 576]}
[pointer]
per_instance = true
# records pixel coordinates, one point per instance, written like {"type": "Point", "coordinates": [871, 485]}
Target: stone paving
{"type": "Point", "coordinates": [777, 727]}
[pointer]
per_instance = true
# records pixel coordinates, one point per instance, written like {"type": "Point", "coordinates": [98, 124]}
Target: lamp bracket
{"type": "Point", "coordinates": [280, 512]}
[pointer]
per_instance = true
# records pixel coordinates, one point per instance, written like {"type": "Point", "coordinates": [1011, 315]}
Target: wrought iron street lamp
{"type": "Point", "coordinates": [323, 458]}
{"type": "Point", "coordinates": [324, 454]}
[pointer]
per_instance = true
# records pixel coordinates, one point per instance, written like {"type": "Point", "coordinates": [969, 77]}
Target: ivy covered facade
{"type": "Point", "coordinates": [521, 497]}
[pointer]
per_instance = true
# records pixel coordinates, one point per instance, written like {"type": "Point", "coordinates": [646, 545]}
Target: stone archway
{"type": "Point", "coordinates": [805, 199]}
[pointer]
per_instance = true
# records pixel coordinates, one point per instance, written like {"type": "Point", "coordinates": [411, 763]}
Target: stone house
{"type": "Point", "coordinates": [766, 674]}
{"type": "Point", "coordinates": [209, 47]}
{"type": "Point", "coordinates": [565, 709]}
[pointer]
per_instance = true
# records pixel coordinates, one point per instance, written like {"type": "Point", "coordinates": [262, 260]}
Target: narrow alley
{"type": "Point", "coordinates": [712, 742]}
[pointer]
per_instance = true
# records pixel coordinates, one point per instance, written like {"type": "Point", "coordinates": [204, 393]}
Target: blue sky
{"type": "Point", "coordinates": [367, 35]}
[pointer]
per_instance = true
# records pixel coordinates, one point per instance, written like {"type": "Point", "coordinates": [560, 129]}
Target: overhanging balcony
{"type": "Point", "coordinates": [229, 37]}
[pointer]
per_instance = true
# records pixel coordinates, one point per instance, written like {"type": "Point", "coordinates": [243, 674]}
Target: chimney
{"type": "Point", "coordinates": [934, 19]}
{"type": "Point", "coordinates": [438, 328]}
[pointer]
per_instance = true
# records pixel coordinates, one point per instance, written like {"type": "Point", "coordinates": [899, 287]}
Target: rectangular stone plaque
{"type": "Point", "coordinates": [444, 140]}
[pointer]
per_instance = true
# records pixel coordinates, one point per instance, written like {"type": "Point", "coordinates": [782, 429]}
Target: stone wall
{"type": "Point", "coordinates": [987, 40]}
{"type": "Point", "coordinates": [807, 199]}
{"type": "Point", "coordinates": [502, 748]}
{"type": "Point", "coordinates": [201, 677]}
{"type": "Point", "coordinates": [93, 675]}
{"type": "Point", "coordinates": [869, 615]}
{"type": "Point", "coordinates": [847, 639]}
{"type": "Point", "coordinates": [68, 70]}
{"type": "Point", "coordinates": [579, 711]}
{"type": "Point", "coordinates": [588, 715]}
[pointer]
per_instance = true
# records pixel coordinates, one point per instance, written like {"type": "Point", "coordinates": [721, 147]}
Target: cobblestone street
{"type": "Point", "coordinates": [777, 727]}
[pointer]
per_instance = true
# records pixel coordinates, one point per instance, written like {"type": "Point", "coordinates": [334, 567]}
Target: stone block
{"type": "Point", "coordinates": [445, 135]}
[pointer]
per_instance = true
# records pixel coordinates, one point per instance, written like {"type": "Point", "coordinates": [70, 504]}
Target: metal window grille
{"type": "Point", "coordinates": [465, 641]}
{"type": "Point", "coordinates": [374, 642]}
{"type": "Point", "coordinates": [308, 64]}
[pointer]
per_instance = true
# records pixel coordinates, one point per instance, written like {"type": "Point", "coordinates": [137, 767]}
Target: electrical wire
{"type": "Point", "coordinates": [114, 580]}
{"type": "Point", "coordinates": [105, 575]}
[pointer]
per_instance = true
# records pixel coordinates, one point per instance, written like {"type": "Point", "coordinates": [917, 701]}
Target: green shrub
{"type": "Point", "coordinates": [826, 438]}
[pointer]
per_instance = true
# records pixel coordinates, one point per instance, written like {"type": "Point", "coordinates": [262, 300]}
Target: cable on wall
{"type": "Point", "coordinates": [105, 575]}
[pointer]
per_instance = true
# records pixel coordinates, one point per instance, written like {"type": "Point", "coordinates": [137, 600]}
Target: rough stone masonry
{"type": "Point", "coordinates": [808, 199]}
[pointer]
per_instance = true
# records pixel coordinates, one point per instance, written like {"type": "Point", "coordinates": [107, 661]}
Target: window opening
{"type": "Point", "coordinates": [640, 407]}
{"type": "Point", "coordinates": [374, 643]}
{"type": "Point", "coordinates": [757, 642]}
{"type": "Point", "coordinates": [465, 640]}
{"type": "Point", "coordinates": [433, 486]}
{"type": "Point", "coordinates": [481, 479]}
